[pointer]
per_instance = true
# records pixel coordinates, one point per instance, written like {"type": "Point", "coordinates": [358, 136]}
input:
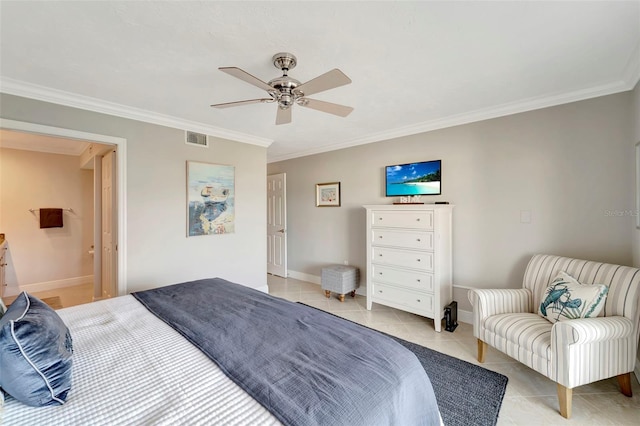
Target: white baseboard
{"type": "Point", "coordinates": [465, 316]}
{"type": "Point", "coordinates": [314, 279]}
{"type": "Point", "coordinates": [49, 285]}
{"type": "Point", "coordinates": [303, 277]}
{"type": "Point", "coordinates": [264, 289]}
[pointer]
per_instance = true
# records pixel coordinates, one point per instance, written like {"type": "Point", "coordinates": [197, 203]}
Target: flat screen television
{"type": "Point", "coordinates": [421, 178]}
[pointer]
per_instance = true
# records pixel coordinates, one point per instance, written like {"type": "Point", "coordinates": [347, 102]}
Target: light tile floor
{"type": "Point", "coordinates": [530, 398]}
{"type": "Point", "coordinates": [69, 296]}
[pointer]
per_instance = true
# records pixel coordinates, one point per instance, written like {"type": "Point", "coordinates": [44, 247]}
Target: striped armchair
{"type": "Point", "coordinates": [571, 352]}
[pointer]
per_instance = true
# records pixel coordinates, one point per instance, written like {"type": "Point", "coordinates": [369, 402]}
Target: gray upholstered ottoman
{"type": "Point", "coordinates": [341, 279]}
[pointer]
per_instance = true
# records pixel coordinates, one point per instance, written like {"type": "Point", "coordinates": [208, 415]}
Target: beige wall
{"type": "Point", "coordinates": [568, 165]}
{"type": "Point", "coordinates": [31, 180]}
{"type": "Point", "coordinates": [636, 139]}
{"type": "Point", "coordinates": [635, 232]}
{"type": "Point", "coordinates": [158, 251]}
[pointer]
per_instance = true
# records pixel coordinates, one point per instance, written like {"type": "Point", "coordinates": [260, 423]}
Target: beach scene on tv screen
{"type": "Point", "coordinates": [414, 179]}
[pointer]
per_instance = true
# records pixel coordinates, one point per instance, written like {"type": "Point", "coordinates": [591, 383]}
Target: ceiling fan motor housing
{"type": "Point", "coordinates": [283, 93]}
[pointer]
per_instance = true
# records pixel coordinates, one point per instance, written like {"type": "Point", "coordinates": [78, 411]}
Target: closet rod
{"type": "Point", "coordinates": [67, 210]}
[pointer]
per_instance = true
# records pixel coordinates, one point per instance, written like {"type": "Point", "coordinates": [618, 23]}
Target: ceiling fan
{"type": "Point", "coordinates": [286, 91]}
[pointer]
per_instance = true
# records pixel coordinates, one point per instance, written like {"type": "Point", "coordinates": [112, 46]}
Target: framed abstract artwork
{"type": "Point", "coordinates": [210, 199]}
{"type": "Point", "coordinates": [328, 194]}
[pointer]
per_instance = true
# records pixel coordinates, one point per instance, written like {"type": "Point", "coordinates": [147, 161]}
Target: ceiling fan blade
{"type": "Point", "coordinates": [326, 81]}
{"type": "Point", "coordinates": [283, 116]}
{"type": "Point", "coordinates": [329, 107]}
{"type": "Point", "coordinates": [238, 103]}
{"type": "Point", "coordinates": [245, 76]}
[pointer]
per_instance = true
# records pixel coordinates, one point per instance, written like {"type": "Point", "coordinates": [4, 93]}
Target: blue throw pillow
{"type": "Point", "coordinates": [35, 353]}
{"type": "Point", "coordinates": [566, 299]}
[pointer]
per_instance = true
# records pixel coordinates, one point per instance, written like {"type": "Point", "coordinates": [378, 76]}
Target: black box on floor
{"type": "Point", "coordinates": [451, 316]}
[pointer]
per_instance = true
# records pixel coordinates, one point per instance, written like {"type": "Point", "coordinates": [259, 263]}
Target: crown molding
{"type": "Point", "coordinates": [479, 115]}
{"type": "Point", "coordinates": [27, 90]}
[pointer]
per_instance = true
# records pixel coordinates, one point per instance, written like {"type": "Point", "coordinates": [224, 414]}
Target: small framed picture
{"type": "Point", "coordinates": [328, 194]}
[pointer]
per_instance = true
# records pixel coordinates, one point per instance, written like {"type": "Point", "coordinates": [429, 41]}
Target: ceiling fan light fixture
{"type": "Point", "coordinates": [286, 100]}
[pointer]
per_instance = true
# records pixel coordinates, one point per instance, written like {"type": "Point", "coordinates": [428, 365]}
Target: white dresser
{"type": "Point", "coordinates": [409, 258]}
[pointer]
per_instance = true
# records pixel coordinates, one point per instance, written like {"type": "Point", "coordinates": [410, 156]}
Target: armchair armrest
{"type": "Point", "coordinates": [591, 330]}
{"type": "Point", "coordinates": [488, 302]}
{"type": "Point", "coordinates": [589, 349]}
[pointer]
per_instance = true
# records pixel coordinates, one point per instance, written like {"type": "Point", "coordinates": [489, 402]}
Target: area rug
{"type": "Point", "coordinates": [467, 394]}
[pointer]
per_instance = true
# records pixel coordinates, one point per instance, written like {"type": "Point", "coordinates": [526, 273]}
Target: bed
{"type": "Point", "coordinates": [215, 352]}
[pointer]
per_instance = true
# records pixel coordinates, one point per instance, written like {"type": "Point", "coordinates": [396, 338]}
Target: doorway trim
{"type": "Point", "coordinates": [121, 178]}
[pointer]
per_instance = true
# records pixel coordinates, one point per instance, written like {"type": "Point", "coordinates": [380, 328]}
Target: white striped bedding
{"type": "Point", "coordinates": [129, 367]}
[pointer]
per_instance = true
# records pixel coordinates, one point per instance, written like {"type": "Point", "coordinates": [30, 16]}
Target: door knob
{"type": "Point", "coordinates": [281, 231]}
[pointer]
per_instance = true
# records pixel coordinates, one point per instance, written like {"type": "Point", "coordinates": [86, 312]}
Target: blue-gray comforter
{"type": "Point", "coordinates": [305, 366]}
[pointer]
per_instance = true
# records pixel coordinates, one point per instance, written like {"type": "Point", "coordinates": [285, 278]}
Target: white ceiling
{"type": "Point", "coordinates": [415, 66]}
{"type": "Point", "coordinates": [42, 143]}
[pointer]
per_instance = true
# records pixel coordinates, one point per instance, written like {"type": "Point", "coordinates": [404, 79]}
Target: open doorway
{"type": "Point", "coordinates": [95, 148]}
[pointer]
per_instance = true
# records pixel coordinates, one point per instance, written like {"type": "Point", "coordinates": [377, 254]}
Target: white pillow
{"type": "Point", "coordinates": [567, 299]}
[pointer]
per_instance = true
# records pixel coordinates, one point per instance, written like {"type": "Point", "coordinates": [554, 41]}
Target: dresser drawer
{"type": "Point", "coordinates": [422, 261]}
{"type": "Point", "coordinates": [420, 240]}
{"type": "Point", "coordinates": [422, 281]}
{"type": "Point", "coordinates": [403, 219]}
{"type": "Point", "coordinates": [415, 300]}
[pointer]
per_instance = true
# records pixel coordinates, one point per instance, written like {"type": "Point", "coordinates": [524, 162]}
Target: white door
{"type": "Point", "coordinates": [109, 232]}
{"type": "Point", "coordinates": [277, 224]}
{"type": "Point", "coordinates": [97, 227]}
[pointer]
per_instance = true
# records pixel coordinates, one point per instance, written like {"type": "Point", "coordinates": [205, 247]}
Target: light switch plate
{"type": "Point", "coordinates": [525, 216]}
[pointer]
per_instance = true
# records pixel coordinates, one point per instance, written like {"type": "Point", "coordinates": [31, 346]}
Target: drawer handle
{"type": "Point", "coordinates": [380, 255]}
{"type": "Point", "coordinates": [418, 240]}
{"type": "Point", "coordinates": [418, 260]}
{"type": "Point", "coordinates": [380, 237]}
{"type": "Point", "coordinates": [418, 219]}
{"type": "Point", "coordinates": [379, 291]}
{"type": "Point", "coordinates": [418, 300]}
{"type": "Point", "coordinates": [418, 280]}
{"type": "Point", "coordinates": [380, 273]}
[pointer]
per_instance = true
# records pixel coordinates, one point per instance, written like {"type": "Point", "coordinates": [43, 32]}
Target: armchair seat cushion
{"type": "Point", "coordinates": [520, 335]}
